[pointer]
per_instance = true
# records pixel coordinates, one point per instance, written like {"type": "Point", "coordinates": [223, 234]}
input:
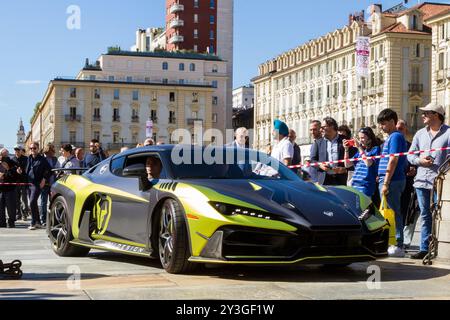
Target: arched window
{"type": "Point", "coordinates": [192, 67]}
{"type": "Point", "coordinates": [181, 67]}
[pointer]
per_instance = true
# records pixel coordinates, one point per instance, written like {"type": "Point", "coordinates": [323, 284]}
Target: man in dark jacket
{"type": "Point", "coordinates": [8, 192]}
{"type": "Point", "coordinates": [330, 148]}
{"type": "Point", "coordinates": [38, 172]}
{"type": "Point", "coordinates": [297, 158]}
{"type": "Point", "coordinates": [22, 206]}
{"type": "Point", "coordinates": [95, 156]}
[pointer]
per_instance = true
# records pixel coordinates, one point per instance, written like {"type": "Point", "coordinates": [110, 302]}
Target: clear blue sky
{"type": "Point", "coordinates": [36, 45]}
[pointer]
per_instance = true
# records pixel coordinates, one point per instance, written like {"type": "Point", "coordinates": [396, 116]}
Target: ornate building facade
{"type": "Point", "coordinates": [318, 79]}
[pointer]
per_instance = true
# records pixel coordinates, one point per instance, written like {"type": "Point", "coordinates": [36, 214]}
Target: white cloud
{"type": "Point", "coordinates": [28, 82]}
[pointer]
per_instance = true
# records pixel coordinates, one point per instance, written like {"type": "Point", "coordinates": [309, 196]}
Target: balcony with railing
{"type": "Point", "coordinates": [96, 118]}
{"type": "Point", "coordinates": [191, 122]}
{"type": "Point", "coordinates": [73, 118]}
{"type": "Point", "coordinates": [415, 88]}
{"type": "Point", "coordinates": [116, 118]}
{"type": "Point", "coordinates": [440, 75]}
{"type": "Point", "coordinates": [176, 39]}
{"type": "Point", "coordinates": [135, 119]}
{"type": "Point", "coordinates": [372, 91]}
{"type": "Point", "coordinates": [380, 89]}
{"type": "Point", "coordinates": [176, 23]}
{"type": "Point", "coordinates": [176, 7]}
{"type": "Point", "coordinates": [172, 120]}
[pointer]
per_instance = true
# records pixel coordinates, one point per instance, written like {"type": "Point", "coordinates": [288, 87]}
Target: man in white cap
{"type": "Point", "coordinates": [435, 135]}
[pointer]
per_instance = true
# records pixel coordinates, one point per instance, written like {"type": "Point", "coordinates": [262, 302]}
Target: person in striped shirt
{"type": "Point", "coordinates": [366, 171]}
{"type": "Point", "coordinates": [391, 174]}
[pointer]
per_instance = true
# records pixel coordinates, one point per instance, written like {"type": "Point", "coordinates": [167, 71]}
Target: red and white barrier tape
{"type": "Point", "coordinates": [394, 155]}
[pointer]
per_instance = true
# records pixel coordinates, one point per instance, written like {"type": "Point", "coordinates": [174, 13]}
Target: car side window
{"type": "Point", "coordinates": [117, 166]}
{"type": "Point", "coordinates": [132, 160]}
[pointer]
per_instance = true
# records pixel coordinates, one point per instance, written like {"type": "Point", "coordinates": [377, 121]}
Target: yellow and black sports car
{"type": "Point", "coordinates": [192, 205]}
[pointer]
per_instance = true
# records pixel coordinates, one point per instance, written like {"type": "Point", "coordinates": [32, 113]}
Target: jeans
{"type": "Point", "coordinates": [34, 193]}
{"type": "Point", "coordinates": [22, 201]}
{"type": "Point", "coordinates": [8, 202]}
{"type": "Point", "coordinates": [409, 232]}
{"type": "Point", "coordinates": [424, 199]}
{"type": "Point", "coordinates": [394, 196]}
{"type": "Point", "coordinates": [44, 203]}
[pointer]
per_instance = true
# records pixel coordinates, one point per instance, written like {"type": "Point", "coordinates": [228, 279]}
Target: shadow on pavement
{"type": "Point", "coordinates": [55, 277]}
{"type": "Point", "coordinates": [390, 271]}
{"type": "Point", "coordinates": [32, 296]}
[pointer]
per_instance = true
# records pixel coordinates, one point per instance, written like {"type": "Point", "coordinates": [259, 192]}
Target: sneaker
{"type": "Point", "coordinates": [396, 252]}
{"type": "Point", "coordinates": [32, 227]}
{"type": "Point", "coordinates": [419, 255]}
{"type": "Point", "coordinates": [39, 226]}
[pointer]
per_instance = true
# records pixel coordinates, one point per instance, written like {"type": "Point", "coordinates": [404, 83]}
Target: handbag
{"type": "Point", "coordinates": [389, 215]}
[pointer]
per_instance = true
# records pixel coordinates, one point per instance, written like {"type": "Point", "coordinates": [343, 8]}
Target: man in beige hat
{"type": "Point", "coordinates": [435, 135]}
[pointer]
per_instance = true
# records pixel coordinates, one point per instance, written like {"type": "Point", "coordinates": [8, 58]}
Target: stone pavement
{"type": "Point", "coordinates": [113, 276]}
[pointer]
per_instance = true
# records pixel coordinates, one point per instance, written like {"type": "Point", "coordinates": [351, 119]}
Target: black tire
{"type": "Point", "coordinates": [60, 232]}
{"type": "Point", "coordinates": [173, 242]}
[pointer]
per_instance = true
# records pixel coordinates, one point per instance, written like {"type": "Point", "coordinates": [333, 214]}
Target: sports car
{"type": "Point", "coordinates": [189, 206]}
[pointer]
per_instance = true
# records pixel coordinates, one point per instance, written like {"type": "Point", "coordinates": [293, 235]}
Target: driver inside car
{"type": "Point", "coordinates": [153, 166]}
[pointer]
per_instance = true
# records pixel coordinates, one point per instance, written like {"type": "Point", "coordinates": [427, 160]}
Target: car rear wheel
{"type": "Point", "coordinates": [60, 232]}
{"type": "Point", "coordinates": [173, 242]}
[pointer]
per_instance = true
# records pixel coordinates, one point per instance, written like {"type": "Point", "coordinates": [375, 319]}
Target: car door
{"type": "Point", "coordinates": [121, 209]}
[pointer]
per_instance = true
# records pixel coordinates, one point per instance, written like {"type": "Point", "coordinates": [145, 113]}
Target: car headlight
{"type": "Point", "coordinates": [232, 210]}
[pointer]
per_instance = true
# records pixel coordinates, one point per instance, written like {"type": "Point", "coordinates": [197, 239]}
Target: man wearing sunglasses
{"type": "Point", "coordinates": [38, 172]}
{"type": "Point", "coordinates": [435, 135]}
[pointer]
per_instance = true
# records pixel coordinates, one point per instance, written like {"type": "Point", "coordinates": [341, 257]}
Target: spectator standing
{"type": "Point", "coordinates": [409, 206]}
{"type": "Point", "coordinates": [95, 155]}
{"type": "Point", "coordinates": [70, 160]}
{"type": "Point", "coordinates": [330, 148]}
{"type": "Point", "coordinates": [149, 142]}
{"type": "Point", "coordinates": [435, 135]}
{"type": "Point", "coordinates": [366, 171]}
{"type": "Point", "coordinates": [283, 149]}
{"type": "Point", "coordinates": [391, 173]}
{"type": "Point", "coordinates": [345, 132]}
{"type": "Point", "coordinates": [22, 207]}
{"type": "Point", "coordinates": [8, 192]}
{"type": "Point", "coordinates": [240, 135]}
{"type": "Point", "coordinates": [314, 130]}
{"type": "Point", "coordinates": [79, 154]}
{"type": "Point", "coordinates": [49, 154]}
{"type": "Point", "coordinates": [38, 172]}
{"type": "Point", "coordinates": [297, 157]}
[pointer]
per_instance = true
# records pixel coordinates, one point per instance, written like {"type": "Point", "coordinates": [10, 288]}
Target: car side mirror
{"type": "Point", "coordinates": [135, 170]}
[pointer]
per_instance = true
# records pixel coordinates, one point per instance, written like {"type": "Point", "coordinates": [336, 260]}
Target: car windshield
{"type": "Point", "coordinates": [227, 163]}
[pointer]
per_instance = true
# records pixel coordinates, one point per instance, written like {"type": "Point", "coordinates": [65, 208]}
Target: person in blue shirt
{"type": "Point", "coordinates": [366, 171]}
{"type": "Point", "coordinates": [391, 173]}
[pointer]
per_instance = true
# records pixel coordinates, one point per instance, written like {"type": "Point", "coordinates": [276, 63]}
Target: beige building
{"type": "Point", "coordinates": [440, 25]}
{"type": "Point", "coordinates": [112, 100]}
{"type": "Point", "coordinates": [318, 78]}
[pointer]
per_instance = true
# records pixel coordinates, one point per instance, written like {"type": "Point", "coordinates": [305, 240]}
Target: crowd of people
{"type": "Point", "coordinates": [25, 181]}
{"type": "Point", "coordinates": [405, 182]}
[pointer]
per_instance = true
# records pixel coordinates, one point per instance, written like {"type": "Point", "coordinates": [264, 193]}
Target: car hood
{"type": "Point", "coordinates": [294, 201]}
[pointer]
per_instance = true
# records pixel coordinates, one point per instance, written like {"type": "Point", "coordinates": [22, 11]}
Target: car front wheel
{"type": "Point", "coordinates": [60, 232]}
{"type": "Point", "coordinates": [173, 242]}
